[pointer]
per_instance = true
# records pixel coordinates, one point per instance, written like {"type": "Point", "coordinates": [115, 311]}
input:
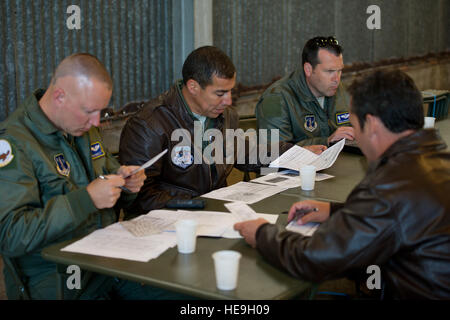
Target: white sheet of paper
{"type": "Point", "coordinates": [307, 229]}
{"type": "Point", "coordinates": [230, 233]}
{"type": "Point", "coordinates": [241, 211]}
{"type": "Point", "coordinates": [245, 192]}
{"type": "Point", "coordinates": [115, 241]}
{"type": "Point", "coordinates": [297, 157]}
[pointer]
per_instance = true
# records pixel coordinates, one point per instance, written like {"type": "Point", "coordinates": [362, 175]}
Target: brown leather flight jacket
{"type": "Point", "coordinates": [149, 131]}
{"type": "Point", "coordinates": [397, 218]}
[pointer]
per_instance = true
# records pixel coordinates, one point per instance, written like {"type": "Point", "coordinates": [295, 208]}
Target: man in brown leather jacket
{"type": "Point", "coordinates": [187, 120]}
{"type": "Point", "coordinates": [397, 219]}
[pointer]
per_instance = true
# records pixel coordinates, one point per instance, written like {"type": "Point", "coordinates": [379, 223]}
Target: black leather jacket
{"type": "Point", "coordinates": [398, 218]}
{"type": "Point", "coordinates": [149, 131]}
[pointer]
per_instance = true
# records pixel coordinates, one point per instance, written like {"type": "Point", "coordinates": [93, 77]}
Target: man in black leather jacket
{"type": "Point", "coordinates": [188, 119]}
{"type": "Point", "coordinates": [397, 219]}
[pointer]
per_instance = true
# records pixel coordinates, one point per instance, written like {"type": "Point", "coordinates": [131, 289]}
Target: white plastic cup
{"type": "Point", "coordinates": [226, 266]}
{"type": "Point", "coordinates": [429, 122]}
{"type": "Point", "coordinates": [308, 177]}
{"type": "Point", "coordinates": [186, 230]}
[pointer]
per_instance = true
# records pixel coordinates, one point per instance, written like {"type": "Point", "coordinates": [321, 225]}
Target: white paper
{"type": "Point", "coordinates": [230, 233]}
{"type": "Point", "coordinates": [115, 241]}
{"type": "Point", "coordinates": [241, 211]}
{"type": "Point", "coordinates": [246, 192]}
{"type": "Point", "coordinates": [297, 157]}
{"type": "Point", "coordinates": [306, 229]}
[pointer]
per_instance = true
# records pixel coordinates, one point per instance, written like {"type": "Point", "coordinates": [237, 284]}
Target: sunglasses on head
{"type": "Point", "coordinates": [323, 42]}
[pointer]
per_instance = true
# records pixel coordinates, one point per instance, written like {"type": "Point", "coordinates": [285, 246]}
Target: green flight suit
{"type": "Point", "coordinates": [43, 179]}
{"type": "Point", "coordinates": [289, 105]}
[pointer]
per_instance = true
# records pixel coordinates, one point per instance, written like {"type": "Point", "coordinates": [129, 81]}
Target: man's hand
{"type": "Point", "coordinates": [316, 148]}
{"type": "Point", "coordinates": [134, 182]}
{"type": "Point", "coordinates": [321, 215]}
{"type": "Point", "coordinates": [341, 133]}
{"type": "Point", "coordinates": [248, 229]}
{"type": "Point", "coordinates": [104, 193]}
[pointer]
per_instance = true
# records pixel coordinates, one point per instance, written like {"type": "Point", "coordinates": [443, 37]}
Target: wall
{"type": "Point", "coordinates": [265, 38]}
{"type": "Point", "coordinates": [142, 44]}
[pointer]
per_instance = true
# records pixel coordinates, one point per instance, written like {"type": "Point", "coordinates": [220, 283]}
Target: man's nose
{"type": "Point", "coordinates": [95, 120]}
{"type": "Point", "coordinates": [227, 99]}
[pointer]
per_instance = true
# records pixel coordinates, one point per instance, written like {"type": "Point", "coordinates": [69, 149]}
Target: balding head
{"type": "Point", "coordinates": [82, 65]}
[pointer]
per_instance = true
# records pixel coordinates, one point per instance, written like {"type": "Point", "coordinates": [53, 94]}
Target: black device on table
{"type": "Point", "coordinates": [186, 204]}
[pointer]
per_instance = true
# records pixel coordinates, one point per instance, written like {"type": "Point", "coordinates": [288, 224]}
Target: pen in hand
{"type": "Point", "coordinates": [300, 213]}
{"type": "Point", "coordinates": [121, 187]}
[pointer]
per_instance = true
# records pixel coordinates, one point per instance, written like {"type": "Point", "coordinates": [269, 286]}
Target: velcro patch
{"type": "Point", "coordinates": [342, 117]}
{"type": "Point", "coordinates": [97, 150]}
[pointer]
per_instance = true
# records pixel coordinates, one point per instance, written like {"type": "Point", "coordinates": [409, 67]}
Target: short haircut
{"type": "Point", "coordinates": [310, 52]}
{"type": "Point", "coordinates": [205, 62]}
{"type": "Point", "coordinates": [83, 64]}
{"type": "Point", "coordinates": [392, 96]}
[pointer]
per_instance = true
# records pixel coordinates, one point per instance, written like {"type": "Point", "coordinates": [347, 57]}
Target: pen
{"type": "Point", "coordinates": [300, 213]}
{"type": "Point", "coordinates": [121, 187]}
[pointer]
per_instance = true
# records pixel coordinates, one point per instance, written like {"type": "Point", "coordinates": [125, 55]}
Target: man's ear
{"type": "Point", "coordinates": [59, 96]}
{"type": "Point", "coordinates": [307, 67]}
{"type": "Point", "coordinates": [373, 125]}
{"type": "Point", "coordinates": [193, 86]}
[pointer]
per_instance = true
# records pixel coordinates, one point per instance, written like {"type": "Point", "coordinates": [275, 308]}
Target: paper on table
{"type": "Point", "coordinates": [297, 157]}
{"type": "Point", "coordinates": [241, 211]}
{"type": "Point", "coordinates": [306, 229]}
{"type": "Point", "coordinates": [230, 233]}
{"type": "Point", "coordinates": [115, 241]}
{"type": "Point", "coordinates": [245, 192]}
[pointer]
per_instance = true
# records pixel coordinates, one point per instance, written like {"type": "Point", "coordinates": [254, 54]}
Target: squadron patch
{"type": "Point", "coordinates": [62, 165]}
{"type": "Point", "coordinates": [342, 117]}
{"type": "Point", "coordinates": [310, 123]}
{"type": "Point", "coordinates": [6, 155]}
{"type": "Point", "coordinates": [97, 150]}
{"type": "Point", "coordinates": [182, 156]}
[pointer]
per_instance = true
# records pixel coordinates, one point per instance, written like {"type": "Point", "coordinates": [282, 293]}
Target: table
{"type": "Point", "coordinates": [193, 274]}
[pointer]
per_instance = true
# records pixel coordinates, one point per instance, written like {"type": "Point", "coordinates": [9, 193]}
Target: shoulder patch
{"type": "Point", "coordinates": [342, 117]}
{"type": "Point", "coordinates": [6, 155]}
{"type": "Point", "coordinates": [97, 150]}
{"type": "Point", "coordinates": [310, 123]}
{"type": "Point", "coordinates": [62, 165]}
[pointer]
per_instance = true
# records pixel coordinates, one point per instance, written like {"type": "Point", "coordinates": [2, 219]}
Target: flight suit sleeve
{"type": "Point", "coordinates": [272, 113]}
{"type": "Point", "coordinates": [28, 224]}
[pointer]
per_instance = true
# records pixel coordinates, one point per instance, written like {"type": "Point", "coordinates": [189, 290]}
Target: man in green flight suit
{"type": "Point", "coordinates": [51, 156]}
{"type": "Point", "coordinates": [309, 106]}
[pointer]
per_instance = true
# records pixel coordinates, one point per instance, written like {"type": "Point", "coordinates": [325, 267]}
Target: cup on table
{"type": "Point", "coordinates": [429, 122]}
{"type": "Point", "coordinates": [186, 230]}
{"type": "Point", "coordinates": [308, 177]}
{"type": "Point", "coordinates": [226, 266]}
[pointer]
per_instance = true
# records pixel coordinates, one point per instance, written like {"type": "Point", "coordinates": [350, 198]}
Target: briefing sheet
{"type": "Point", "coordinates": [297, 157]}
{"type": "Point", "coordinates": [246, 192]}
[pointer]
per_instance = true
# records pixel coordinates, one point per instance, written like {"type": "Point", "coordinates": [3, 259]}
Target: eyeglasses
{"type": "Point", "coordinates": [324, 42]}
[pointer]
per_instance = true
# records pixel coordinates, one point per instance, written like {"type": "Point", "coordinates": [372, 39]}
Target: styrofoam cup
{"type": "Point", "coordinates": [186, 230]}
{"type": "Point", "coordinates": [226, 266]}
{"type": "Point", "coordinates": [429, 122]}
{"type": "Point", "coordinates": [308, 177]}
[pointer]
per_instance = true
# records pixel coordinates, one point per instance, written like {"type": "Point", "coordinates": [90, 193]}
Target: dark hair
{"type": "Point", "coordinates": [391, 96]}
{"type": "Point", "coordinates": [311, 49]}
{"type": "Point", "coordinates": [204, 62]}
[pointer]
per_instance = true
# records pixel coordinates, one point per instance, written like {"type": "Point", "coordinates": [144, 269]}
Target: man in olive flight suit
{"type": "Point", "coordinates": [51, 156]}
{"type": "Point", "coordinates": [309, 106]}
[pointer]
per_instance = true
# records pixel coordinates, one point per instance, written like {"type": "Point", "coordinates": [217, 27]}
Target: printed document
{"type": "Point", "coordinates": [306, 229]}
{"type": "Point", "coordinates": [297, 157]}
{"type": "Point", "coordinates": [246, 192]}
